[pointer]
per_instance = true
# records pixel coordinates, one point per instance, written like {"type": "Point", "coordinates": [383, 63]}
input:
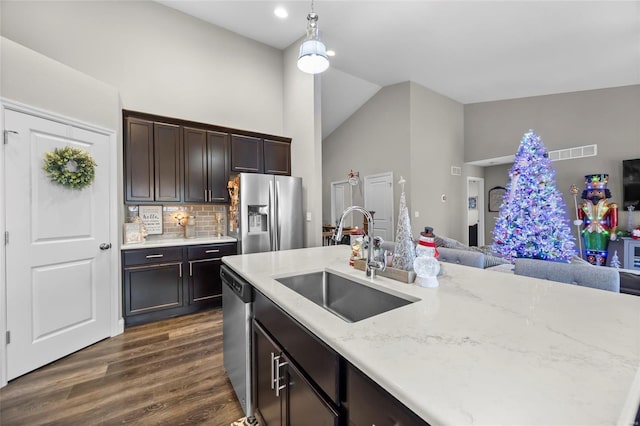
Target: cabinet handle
{"type": "Point", "coordinates": [213, 251]}
{"type": "Point", "coordinates": [278, 365]}
{"type": "Point", "coordinates": [205, 195]}
{"type": "Point", "coordinates": [154, 256]}
{"type": "Point", "coordinates": [273, 360]}
{"type": "Point", "coordinates": [209, 195]}
{"type": "Point", "coordinates": [180, 265]}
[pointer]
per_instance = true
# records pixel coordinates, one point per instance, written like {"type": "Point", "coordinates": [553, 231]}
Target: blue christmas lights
{"type": "Point", "coordinates": [533, 219]}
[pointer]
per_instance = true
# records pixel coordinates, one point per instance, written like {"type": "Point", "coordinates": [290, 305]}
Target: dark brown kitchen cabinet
{"type": "Point", "coordinates": [369, 404]}
{"type": "Point", "coordinates": [138, 159]}
{"type": "Point", "coordinates": [205, 286]}
{"type": "Point", "coordinates": [277, 157]}
{"type": "Point", "coordinates": [283, 395]}
{"type": "Point", "coordinates": [153, 161]}
{"type": "Point", "coordinates": [206, 159]}
{"type": "Point", "coordinates": [247, 154]}
{"type": "Point", "coordinates": [164, 282]}
{"type": "Point", "coordinates": [152, 284]}
{"type": "Point", "coordinates": [297, 376]}
{"type": "Point", "coordinates": [167, 153]}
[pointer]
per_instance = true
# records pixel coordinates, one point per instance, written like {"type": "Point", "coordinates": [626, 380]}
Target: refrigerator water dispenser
{"type": "Point", "coordinates": [258, 218]}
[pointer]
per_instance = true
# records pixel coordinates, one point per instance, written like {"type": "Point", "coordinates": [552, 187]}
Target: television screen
{"type": "Point", "coordinates": [631, 183]}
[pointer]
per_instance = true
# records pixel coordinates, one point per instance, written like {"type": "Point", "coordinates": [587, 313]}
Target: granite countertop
{"type": "Point", "coordinates": [484, 347]}
{"type": "Point", "coordinates": [169, 242]}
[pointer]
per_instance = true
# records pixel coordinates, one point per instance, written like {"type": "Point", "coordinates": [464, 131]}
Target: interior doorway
{"type": "Point", "coordinates": [475, 211]}
{"type": "Point", "coordinates": [341, 198]}
{"type": "Point", "coordinates": [60, 287]}
{"type": "Point", "coordinates": [378, 197]}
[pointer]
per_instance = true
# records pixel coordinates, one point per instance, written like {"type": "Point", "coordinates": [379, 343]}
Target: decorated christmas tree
{"type": "Point", "coordinates": [533, 219]}
{"type": "Point", "coordinates": [405, 250]}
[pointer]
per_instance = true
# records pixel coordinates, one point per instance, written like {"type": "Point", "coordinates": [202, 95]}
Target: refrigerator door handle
{"type": "Point", "coordinates": [271, 217]}
{"type": "Point", "coordinates": [277, 216]}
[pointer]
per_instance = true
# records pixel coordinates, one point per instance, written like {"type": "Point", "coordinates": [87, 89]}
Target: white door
{"type": "Point", "coordinates": [378, 197]}
{"type": "Point", "coordinates": [57, 277]}
{"type": "Point", "coordinates": [340, 200]}
{"type": "Point", "coordinates": [475, 211]}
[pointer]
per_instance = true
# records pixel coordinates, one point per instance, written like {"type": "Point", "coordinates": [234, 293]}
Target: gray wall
{"type": "Point", "coordinates": [606, 117]}
{"type": "Point", "coordinates": [413, 132]}
{"type": "Point", "coordinates": [375, 139]}
{"type": "Point", "coordinates": [161, 60]}
{"type": "Point", "coordinates": [437, 143]}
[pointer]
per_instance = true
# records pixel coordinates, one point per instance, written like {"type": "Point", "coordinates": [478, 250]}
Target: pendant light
{"type": "Point", "coordinates": [313, 54]}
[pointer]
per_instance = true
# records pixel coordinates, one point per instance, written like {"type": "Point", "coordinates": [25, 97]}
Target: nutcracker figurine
{"type": "Point", "coordinates": [599, 218]}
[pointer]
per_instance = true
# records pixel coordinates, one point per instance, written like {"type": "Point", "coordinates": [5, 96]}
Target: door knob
{"type": "Point", "coordinates": [105, 246]}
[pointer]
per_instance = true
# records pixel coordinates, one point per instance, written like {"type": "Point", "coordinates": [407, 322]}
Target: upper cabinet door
{"type": "Point", "coordinates": [138, 159]}
{"type": "Point", "coordinates": [168, 162]}
{"type": "Point", "coordinates": [246, 154]}
{"type": "Point", "coordinates": [218, 169]}
{"type": "Point", "coordinates": [195, 165]}
{"type": "Point", "coordinates": [277, 157]}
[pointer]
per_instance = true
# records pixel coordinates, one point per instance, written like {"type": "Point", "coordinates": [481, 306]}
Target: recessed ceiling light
{"type": "Point", "coordinates": [331, 52]}
{"type": "Point", "coordinates": [281, 12]}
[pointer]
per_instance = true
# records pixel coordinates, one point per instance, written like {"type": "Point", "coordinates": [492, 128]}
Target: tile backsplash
{"type": "Point", "coordinates": [210, 220]}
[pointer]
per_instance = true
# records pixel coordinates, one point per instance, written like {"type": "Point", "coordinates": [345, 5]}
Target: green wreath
{"type": "Point", "coordinates": [71, 167]}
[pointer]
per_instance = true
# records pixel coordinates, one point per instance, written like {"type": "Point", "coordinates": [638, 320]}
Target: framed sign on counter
{"type": "Point", "coordinates": [152, 218]}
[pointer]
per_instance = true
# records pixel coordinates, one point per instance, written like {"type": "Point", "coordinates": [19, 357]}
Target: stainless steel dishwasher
{"type": "Point", "coordinates": [237, 309]}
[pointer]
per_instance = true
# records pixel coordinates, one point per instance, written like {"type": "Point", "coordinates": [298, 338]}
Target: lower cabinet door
{"type": "Point", "coordinates": [267, 403]}
{"type": "Point", "coordinates": [153, 287]}
{"type": "Point", "coordinates": [304, 406]}
{"type": "Point", "coordinates": [369, 404]}
{"type": "Point", "coordinates": [205, 286]}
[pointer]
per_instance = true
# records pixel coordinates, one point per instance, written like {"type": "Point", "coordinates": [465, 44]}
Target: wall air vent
{"type": "Point", "coordinates": [456, 171]}
{"type": "Point", "coordinates": [573, 153]}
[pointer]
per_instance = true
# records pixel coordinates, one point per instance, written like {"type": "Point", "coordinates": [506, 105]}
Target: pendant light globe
{"type": "Point", "coordinates": [313, 57]}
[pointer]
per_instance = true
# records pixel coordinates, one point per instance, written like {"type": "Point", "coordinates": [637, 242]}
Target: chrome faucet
{"type": "Point", "coordinates": [373, 264]}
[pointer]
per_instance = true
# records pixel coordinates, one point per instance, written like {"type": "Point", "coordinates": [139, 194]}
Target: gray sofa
{"type": "Point", "coordinates": [586, 275]}
{"type": "Point", "coordinates": [461, 257]}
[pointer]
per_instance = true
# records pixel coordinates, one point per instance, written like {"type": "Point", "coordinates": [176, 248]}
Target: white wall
{"type": "Point", "coordinates": [302, 122]}
{"type": "Point", "coordinates": [162, 61]}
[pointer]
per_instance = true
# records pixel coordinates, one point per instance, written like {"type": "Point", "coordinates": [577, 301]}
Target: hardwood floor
{"type": "Point", "coordinates": [168, 372]}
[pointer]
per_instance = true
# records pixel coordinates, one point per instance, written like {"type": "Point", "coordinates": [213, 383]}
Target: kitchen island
{"type": "Point", "coordinates": [484, 347]}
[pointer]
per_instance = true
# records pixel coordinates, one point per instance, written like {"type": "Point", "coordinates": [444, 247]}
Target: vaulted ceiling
{"type": "Point", "coordinates": [470, 51]}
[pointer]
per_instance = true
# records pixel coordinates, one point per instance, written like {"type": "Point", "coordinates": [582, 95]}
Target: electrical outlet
{"type": "Point", "coordinates": [416, 214]}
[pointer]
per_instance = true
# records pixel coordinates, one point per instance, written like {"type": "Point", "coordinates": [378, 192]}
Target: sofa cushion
{"type": "Point", "coordinates": [600, 277]}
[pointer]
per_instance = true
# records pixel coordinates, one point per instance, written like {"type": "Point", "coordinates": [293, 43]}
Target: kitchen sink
{"type": "Point", "coordinates": [343, 297]}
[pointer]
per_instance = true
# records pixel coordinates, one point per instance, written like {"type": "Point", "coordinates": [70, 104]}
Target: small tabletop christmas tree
{"type": "Point", "coordinates": [405, 250]}
{"type": "Point", "coordinates": [533, 219]}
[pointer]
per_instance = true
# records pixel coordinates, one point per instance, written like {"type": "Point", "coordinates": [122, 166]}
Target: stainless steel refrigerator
{"type": "Point", "coordinates": [270, 213]}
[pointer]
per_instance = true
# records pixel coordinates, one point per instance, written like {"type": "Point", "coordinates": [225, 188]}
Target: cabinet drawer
{"type": "Point", "coordinates": [210, 251]}
{"type": "Point", "coordinates": [318, 361]}
{"type": "Point", "coordinates": [149, 256]}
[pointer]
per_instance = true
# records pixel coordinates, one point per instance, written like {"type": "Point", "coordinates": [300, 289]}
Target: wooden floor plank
{"type": "Point", "coordinates": [169, 372]}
